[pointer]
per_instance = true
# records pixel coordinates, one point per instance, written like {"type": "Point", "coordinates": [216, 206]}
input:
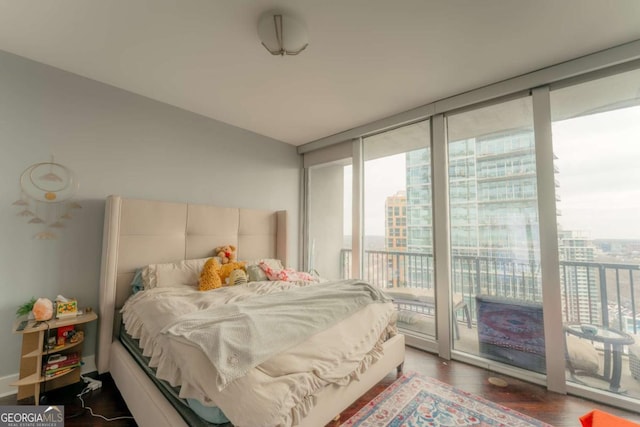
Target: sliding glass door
{"type": "Point", "coordinates": [494, 235]}
{"type": "Point", "coordinates": [596, 142]}
{"type": "Point", "coordinates": [398, 247]}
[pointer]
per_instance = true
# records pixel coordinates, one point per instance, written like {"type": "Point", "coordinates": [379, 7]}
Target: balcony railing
{"type": "Point", "coordinates": [592, 292]}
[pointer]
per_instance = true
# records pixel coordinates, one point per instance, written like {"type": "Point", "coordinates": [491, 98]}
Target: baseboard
{"type": "Point", "coordinates": [5, 388]}
{"type": "Point", "coordinates": [88, 365]}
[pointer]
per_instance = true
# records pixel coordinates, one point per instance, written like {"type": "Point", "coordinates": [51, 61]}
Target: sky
{"type": "Point", "coordinates": [598, 158]}
{"type": "Point", "coordinates": [599, 173]}
{"type": "Point", "coordinates": [383, 177]}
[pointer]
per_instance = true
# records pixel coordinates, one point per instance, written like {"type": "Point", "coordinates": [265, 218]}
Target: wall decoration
{"type": "Point", "coordinates": [46, 192]}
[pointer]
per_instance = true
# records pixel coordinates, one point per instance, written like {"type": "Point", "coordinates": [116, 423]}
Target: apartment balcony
{"type": "Point", "coordinates": [592, 293]}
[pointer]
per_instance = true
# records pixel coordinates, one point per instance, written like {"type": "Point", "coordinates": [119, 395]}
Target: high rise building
{"type": "Point", "coordinates": [579, 285]}
{"type": "Point", "coordinates": [396, 237]}
{"type": "Point", "coordinates": [396, 222]}
{"type": "Point", "coordinates": [493, 209]}
{"type": "Point", "coordinates": [494, 222]}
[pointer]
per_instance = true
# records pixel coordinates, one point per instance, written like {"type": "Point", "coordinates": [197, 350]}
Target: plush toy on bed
{"type": "Point", "coordinates": [214, 275]}
{"type": "Point", "coordinates": [227, 269]}
{"type": "Point", "coordinates": [227, 253]}
{"type": "Point", "coordinates": [209, 277]}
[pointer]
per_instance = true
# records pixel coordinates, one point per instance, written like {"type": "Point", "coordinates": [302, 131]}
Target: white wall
{"type": "Point", "coordinates": [120, 143]}
{"type": "Point", "coordinates": [326, 219]}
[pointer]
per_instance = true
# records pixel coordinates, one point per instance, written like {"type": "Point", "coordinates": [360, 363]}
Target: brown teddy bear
{"type": "Point", "coordinates": [226, 253]}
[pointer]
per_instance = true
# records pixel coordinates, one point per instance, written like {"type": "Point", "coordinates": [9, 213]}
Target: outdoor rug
{"type": "Point", "coordinates": [416, 400]}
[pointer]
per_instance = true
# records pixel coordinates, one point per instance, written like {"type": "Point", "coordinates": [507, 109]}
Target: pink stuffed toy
{"type": "Point", "coordinates": [286, 274]}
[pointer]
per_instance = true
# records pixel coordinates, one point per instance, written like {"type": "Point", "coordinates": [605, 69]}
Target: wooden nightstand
{"type": "Point", "coordinates": [34, 352]}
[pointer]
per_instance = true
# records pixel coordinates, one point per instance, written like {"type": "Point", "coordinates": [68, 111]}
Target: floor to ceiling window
{"type": "Point", "coordinates": [398, 248]}
{"type": "Point", "coordinates": [495, 251]}
{"type": "Point", "coordinates": [489, 181]}
{"type": "Point", "coordinates": [596, 143]}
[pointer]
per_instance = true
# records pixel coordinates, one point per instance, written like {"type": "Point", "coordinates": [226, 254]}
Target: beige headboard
{"type": "Point", "coordinates": [142, 232]}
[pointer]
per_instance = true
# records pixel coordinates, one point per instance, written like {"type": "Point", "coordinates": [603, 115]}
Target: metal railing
{"type": "Point", "coordinates": [592, 292]}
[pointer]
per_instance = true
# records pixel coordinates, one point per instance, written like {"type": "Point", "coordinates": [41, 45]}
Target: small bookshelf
{"type": "Point", "coordinates": [38, 348]}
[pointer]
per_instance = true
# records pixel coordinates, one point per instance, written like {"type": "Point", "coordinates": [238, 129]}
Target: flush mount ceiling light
{"type": "Point", "coordinates": [282, 34]}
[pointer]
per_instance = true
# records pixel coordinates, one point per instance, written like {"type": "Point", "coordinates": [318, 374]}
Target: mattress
{"type": "Point", "coordinates": [172, 394]}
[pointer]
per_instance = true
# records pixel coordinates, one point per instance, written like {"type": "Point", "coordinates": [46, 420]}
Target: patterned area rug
{"type": "Point", "coordinates": [416, 400]}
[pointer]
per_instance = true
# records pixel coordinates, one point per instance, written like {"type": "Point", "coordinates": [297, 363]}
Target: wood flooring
{"type": "Point", "coordinates": [530, 399]}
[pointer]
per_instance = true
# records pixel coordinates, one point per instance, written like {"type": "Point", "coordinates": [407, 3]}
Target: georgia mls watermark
{"type": "Point", "coordinates": [31, 416]}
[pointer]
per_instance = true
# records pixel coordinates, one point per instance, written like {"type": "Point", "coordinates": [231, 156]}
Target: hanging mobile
{"type": "Point", "coordinates": [47, 186]}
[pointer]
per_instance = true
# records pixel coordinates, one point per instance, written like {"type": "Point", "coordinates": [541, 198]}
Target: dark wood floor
{"type": "Point", "coordinates": [530, 399]}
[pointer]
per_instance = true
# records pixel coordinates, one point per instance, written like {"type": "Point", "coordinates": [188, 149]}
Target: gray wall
{"type": "Point", "coordinates": [120, 143]}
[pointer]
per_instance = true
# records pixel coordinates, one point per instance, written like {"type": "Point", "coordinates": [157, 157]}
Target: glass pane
{"type": "Point", "coordinates": [596, 142]}
{"type": "Point", "coordinates": [494, 235]}
{"type": "Point", "coordinates": [397, 223]}
{"type": "Point", "coordinates": [329, 216]}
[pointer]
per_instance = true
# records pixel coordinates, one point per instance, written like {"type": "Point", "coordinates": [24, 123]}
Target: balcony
{"type": "Point", "coordinates": [592, 293]}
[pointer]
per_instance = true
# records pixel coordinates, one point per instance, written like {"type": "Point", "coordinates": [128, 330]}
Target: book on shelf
{"type": "Point", "coordinates": [58, 361]}
{"type": "Point", "coordinates": [61, 369]}
{"type": "Point", "coordinates": [60, 372]}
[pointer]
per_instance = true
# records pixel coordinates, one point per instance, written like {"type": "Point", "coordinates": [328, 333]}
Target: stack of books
{"type": "Point", "coordinates": [60, 364]}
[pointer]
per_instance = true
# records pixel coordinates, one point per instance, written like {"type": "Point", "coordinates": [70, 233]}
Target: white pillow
{"type": "Point", "coordinates": [582, 355]}
{"type": "Point", "coordinates": [175, 274]}
{"type": "Point", "coordinates": [408, 317]}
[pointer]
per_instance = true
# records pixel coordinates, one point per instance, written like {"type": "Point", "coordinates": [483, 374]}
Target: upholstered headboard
{"type": "Point", "coordinates": [142, 232]}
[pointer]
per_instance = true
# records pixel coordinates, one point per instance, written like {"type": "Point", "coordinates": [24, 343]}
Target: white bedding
{"type": "Point", "coordinates": [279, 391]}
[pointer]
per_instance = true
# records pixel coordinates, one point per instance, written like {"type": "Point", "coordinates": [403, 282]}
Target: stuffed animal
{"type": "Point", "coordinates": [226, 253]}
{"type": "Point", "coordinates": [214, 275]}
{"type": "Point", "coordinates": [226, 269]}
{"type": "Point", "coordinates": [209, 277]}
{"type": "Point", "coordinates": [237, 277]}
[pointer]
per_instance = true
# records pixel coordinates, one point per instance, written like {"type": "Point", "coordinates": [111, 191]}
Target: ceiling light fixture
{"type": "Point", "coordinates": [282, 34]}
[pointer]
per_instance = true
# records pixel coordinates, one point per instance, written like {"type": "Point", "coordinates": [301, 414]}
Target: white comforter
{"type": "Point", "coordinates": [279, 391]}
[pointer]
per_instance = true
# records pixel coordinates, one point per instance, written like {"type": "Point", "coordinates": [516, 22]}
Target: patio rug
{"type": "Point", "coordinates": [417, 400]}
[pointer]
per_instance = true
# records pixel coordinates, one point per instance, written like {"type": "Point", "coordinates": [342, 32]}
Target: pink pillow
{"type": "Point", "coordinates": [285, 274]}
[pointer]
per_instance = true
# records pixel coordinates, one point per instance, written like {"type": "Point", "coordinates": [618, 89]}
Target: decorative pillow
{"type": "Point", "coordinates": [173, 274]}
{"type": "Point", "coordinates": [137, 283]}
{"type": "Point", "coordinates": [209, 278]}
{"type": "Point", "coordinates": [408, 317]}
{"type": "Point", "coordinates": [582, 355]}
{"type": "Point", "coordinates": [257, 274]}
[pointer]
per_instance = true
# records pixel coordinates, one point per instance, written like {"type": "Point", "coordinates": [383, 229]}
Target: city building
{"type": "Point", "coordinates": [396, 237]}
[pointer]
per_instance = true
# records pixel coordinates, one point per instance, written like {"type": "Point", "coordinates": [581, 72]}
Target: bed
{"type": "Point", "coordinates": [143, 232]}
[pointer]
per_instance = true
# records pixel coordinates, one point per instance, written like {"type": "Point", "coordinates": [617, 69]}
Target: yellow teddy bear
{"type": "Point", "coordinates": [214, 275]}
